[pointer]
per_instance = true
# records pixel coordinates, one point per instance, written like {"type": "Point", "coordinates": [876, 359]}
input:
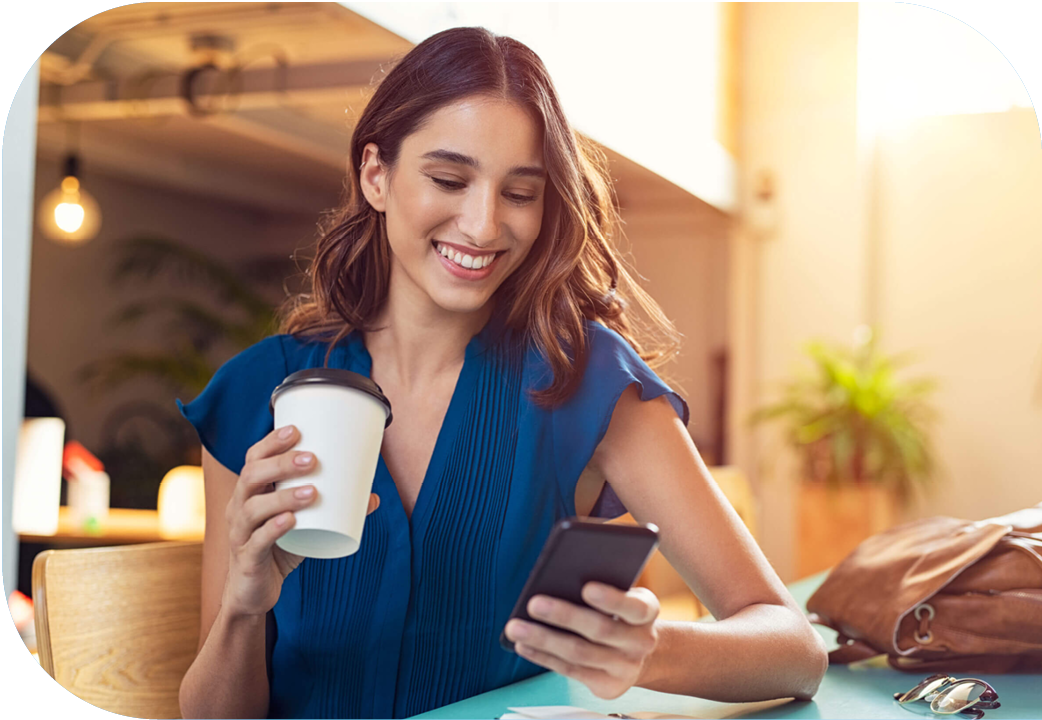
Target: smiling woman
{"type": "Point", "coordinates": [449, 208]}
{"type": "Point", "coordinates": [487, 145]}
{"type": "Point", "coordinates": [472, 274]}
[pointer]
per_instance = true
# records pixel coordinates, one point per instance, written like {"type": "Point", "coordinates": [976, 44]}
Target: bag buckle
{"type": "Point", "coordinates": [923, 636]}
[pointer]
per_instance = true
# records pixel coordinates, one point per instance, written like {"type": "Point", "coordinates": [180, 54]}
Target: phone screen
{"type": "Point", "coordinates": [582, 551]}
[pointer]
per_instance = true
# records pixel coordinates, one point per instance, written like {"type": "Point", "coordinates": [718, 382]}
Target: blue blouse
{"type": "Point", "coordinates": [412, 621]}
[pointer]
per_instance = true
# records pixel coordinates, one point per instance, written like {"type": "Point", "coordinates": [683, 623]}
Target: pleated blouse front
{"type": "Point", "coordinates": [412, 620]}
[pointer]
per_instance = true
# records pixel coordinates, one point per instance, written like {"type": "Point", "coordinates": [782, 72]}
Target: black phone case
{"type": "Point", "coordinates": [582, 551]}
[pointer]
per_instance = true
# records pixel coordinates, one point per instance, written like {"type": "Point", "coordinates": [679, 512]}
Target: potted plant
{"type": "Point", "coordinates": [199, 337]}
{"type": "Point", "coordinates": [862, 435]}
{"type": "Point", "coordinates": [194, 329]}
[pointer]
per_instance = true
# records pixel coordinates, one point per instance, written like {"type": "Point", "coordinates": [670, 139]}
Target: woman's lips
{"type": "Point", "coordinates": [462, 272]}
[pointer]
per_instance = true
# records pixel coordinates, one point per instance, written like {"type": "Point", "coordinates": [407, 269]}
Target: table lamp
{"type": "Point", "coordinates": [182, 504]}
{"type": "Point", "coordinates": [38, 476]}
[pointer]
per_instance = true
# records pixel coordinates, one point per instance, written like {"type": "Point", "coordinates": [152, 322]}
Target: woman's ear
{"type": "Point", "coordinates": [373, 178]}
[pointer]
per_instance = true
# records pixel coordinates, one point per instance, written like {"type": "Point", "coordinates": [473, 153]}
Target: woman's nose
{"type": "Point", "coordinates": [479, 220]}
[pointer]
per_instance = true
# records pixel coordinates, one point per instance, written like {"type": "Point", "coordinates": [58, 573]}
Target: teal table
{"type": "Point", "coordinates": [863, 691]}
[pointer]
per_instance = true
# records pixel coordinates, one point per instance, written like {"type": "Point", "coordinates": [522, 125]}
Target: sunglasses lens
{"type": "Point", "coordinates": [924, 688]}
{"type": "Point", "coordinates": [959, 696]}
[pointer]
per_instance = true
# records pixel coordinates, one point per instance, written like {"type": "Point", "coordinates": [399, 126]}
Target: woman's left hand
{"type": "Point", "coordinates": [615, 642]}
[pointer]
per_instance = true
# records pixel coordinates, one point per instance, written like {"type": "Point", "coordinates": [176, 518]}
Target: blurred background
{"type": "Point", "coordinates": [836, 203]}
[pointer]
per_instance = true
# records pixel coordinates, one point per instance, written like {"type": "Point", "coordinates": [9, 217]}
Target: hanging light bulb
{"type": "Point", "coordinates": [69, 214]}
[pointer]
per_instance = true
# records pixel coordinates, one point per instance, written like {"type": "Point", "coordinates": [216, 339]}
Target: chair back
{"type": "Point", "coordinates": [119, 626]}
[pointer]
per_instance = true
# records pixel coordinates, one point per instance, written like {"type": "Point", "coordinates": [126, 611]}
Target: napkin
{"type": "Point", "coordinates": [567, 712]}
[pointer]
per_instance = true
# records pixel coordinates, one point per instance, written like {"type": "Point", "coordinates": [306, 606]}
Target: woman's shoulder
{"type": "Point", "coordinates": [605, 343]}
{"type": "Point", "coordinates": [264, 354]}
{"type": "Point", "coordinates": [282, 349]}
{"type": "Point", "coordinates": [606, 351]}
{"type": "Point", "coordinates": [270, 345]}
{"type": "Point", "coordinates": [613, 364]}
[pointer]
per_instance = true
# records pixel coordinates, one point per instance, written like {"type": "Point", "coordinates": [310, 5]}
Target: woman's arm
{"type": "Point", "coordinates": [761, 647]}
{"type": "Point", "coordinates": [229, 677]}
{"type": "Point", "coordinates": [243, 572]}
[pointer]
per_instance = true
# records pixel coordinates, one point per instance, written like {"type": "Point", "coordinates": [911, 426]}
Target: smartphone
{"type": "Point", "coordinates": [579, 551]}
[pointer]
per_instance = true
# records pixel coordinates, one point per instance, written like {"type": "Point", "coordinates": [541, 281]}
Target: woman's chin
{"type": "Point", "coordinates": [461, 308]}
{"type": "Point", "coordinates": [454, 300]}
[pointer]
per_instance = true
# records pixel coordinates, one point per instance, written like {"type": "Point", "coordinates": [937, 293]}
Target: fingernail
{"type": "Point", "coordinates": [304, 492]}
{"type": "Point", "coordinates": [285, 432]}
{"type": "Point", "coordinates": [519, 630]}
{"type": "Point", "coordinates": [540, 607]}
{"type": "Point", "coordinates": [303, 459]}
{"type": "Point", "coordinates": [595, 593]}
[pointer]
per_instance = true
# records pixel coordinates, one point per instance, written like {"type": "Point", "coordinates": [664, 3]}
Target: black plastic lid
{"type": "Point", "coordinates": [332, 376]}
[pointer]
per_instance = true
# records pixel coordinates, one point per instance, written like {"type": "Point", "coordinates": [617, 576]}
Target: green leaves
{"type": "Point", "coordinates": [853, 420]}
{"type": "Point", "coordinates": [212, 305]}
{"type": "Point", "coordinates": [182, 368]}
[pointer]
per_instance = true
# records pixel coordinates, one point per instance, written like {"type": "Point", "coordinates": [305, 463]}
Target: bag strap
{"type": "Point", "coordinates": [852, 651]}
{"type": "Point", "coordinates": [849, 650]}
{"type": "Point", "coordinates": [995, 664]}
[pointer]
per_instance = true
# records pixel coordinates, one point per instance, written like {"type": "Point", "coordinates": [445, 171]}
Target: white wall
{"type": "Point", "coordinates": [684, 258]}
{"type": "Point", "coordinates": [640, 78]}
{"type": "Point", "coordinates": [938, 244]}
{"type": "Point", "coordinates": [18, 143]}
{"type": "Point", "coordinates": [798, 119]}
{"type": "Point", "coordinates": [960, 248]}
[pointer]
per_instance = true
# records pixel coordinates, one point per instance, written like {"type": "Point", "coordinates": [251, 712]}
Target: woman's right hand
{"type": "Point", "coordinates": [257, 515]}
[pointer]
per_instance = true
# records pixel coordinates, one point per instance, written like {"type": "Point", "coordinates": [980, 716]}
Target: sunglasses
{"type": "Point", "coordinates": [948, 696]}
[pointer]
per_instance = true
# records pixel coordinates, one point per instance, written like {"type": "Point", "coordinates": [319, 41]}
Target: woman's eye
{"type": "Point", "coordinates": [512, 197]}
{"type": "Point", "coordinates": [448, 184]}
{"type": "Point", "coordinates": [521, 199]}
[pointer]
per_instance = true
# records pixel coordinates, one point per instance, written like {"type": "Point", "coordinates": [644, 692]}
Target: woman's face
{"type": "Point", "coordinates": [464, 204]}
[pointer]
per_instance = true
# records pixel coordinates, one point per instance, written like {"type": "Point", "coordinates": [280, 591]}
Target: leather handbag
{"type": "Point", "coordinates": [941, 594]}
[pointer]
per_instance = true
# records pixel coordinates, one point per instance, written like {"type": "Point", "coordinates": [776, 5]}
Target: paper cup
{"type": "Point", "coordinates": [341, 417]}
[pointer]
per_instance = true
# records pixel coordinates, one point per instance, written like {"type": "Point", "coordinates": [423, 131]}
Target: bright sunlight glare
{"type": "Point", "coordinates": [916, 62]}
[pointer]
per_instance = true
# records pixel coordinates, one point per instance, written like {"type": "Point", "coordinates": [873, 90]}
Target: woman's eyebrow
{"type": "Point", "coordinates": [452, 156]}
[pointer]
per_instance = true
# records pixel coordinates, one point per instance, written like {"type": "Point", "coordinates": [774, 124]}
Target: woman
{"type": "Point", "coordinates": [471, 274]}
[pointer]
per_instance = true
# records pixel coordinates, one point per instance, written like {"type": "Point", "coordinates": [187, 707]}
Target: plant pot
{"type": "Point", "coordinates": [832, 522]}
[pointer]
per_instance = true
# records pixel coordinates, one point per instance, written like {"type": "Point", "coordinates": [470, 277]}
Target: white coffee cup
{"type": "Point", "coordinates": [341, 416]}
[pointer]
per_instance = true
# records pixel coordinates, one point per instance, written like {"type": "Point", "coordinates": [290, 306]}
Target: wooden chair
{"type": "Point", "coordinates": [119, 626]}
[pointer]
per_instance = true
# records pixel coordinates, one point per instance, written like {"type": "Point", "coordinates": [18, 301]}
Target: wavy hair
{"type": "Point", "coordinates": [573, 270]}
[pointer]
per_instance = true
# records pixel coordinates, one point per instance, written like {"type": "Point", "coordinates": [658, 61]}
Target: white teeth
{"type": "Point", "coordinates": [467, 261]}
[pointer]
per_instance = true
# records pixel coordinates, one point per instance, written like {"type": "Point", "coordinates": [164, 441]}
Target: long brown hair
{"type": "Point", "coordinates": [573, 270]}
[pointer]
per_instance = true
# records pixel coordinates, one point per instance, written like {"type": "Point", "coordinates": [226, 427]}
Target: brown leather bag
{"type": "Point", "coordinates": [941, 594]}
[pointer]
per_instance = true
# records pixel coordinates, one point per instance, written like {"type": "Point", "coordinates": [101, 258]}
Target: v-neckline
{"type": "Point", "coordinates": [446, 433]}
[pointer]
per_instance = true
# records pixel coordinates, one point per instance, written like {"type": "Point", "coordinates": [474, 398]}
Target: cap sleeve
{"type": "Point", "coordinates": [231, 414]}
{"type": "Point", "coordinates": [580, 423]}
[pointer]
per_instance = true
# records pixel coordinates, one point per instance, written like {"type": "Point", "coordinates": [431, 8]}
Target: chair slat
{"type": "Point", "coordinates": [119, 626]}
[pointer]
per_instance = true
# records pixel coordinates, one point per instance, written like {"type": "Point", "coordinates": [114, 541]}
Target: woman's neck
{"type": "Point", "coordinates": [418, 344]}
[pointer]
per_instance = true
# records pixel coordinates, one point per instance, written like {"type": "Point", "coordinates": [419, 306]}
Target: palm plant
{"type": "Point", "coordinates": [193, 329]}
{"type": "Point", "coordinates": [853, 421]}
{"type": "Point", "coordinates": [141, 439]}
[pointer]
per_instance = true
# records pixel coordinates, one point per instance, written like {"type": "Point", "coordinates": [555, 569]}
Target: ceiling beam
{"type": "Point", "coordinates": [149, 20]}
{"type": "Point", "coordinates": [348, 83]}
{"type": "Point", "coordinates": [113, 154]}
{"type": "Point", "coordinates": [295, 142]}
